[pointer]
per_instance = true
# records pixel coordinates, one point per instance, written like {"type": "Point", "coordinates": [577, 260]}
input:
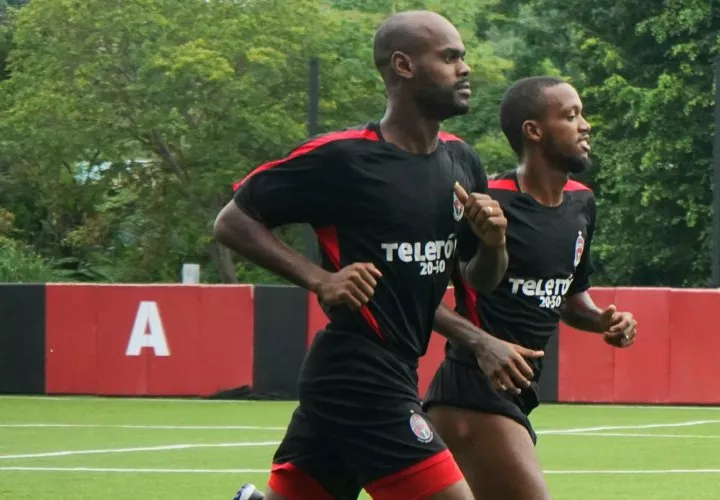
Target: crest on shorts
{"type": "Point", "coordinates": [458, 208]}
{"type": "Point", "coordinates": [420, 428]}
{"type": "Point", "coordinates": [579, 247]}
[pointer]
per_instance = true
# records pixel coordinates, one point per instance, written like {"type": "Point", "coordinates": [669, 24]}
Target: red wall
{"type": "Point", "coordinates": [672, 361]}
{"type": "Point", "coordinates": [208, 331]}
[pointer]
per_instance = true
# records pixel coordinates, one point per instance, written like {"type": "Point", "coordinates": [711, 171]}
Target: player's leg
{"type": "Point", "coordinates": [305, 468]}
{"type": "Point", "coordinates": [488, 434]}
{"type": "Point", "coordinates": [436, 478]}
{"type": "Point", "coordinates": [395, 453]}
{"type": "Point", "coordinates": [495, 453]}
{"type": "Point", "coordinates": [364, 401]}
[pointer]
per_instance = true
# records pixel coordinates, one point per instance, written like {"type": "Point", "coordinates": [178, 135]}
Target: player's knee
{"type": "Point", "coordinates": [273, 495]}
{"type": "Point", "coordinates": [458, 491]}
{"type": "Point", "coordinates": [538, 488]}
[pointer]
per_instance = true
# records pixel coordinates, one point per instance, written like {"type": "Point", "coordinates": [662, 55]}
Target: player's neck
{"type": "Point", "coordinates": [543, 183]}
{"type": "Point", "coordinates": [404, 127]}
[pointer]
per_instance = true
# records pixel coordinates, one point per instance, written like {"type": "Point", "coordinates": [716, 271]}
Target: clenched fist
{"type": "Point", "coordinates": [485, 216]}
{"type": "Point", "coordinates": [353, 285]}
{"type": "Point", "coordinates": [619, 328]}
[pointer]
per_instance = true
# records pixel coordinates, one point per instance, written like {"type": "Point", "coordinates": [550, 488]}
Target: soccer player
{"type": "Point", "coordinates": [383, 201]}
{"type": "Point", "coordinates": [551, 220]}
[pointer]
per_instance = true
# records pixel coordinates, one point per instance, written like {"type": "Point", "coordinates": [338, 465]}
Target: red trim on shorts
{"type": "Point", "coordinates": [292, 483]}
{"type": "Point", "coordinates": [312, 144]}
{"type": "Point", "coordinates": [418, 481]}
{"type": "Point", "coordinates": [330, 244]}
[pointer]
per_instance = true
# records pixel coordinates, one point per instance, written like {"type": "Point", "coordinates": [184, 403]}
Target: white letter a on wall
{"type": "Point", "coordinates": [148, 331]}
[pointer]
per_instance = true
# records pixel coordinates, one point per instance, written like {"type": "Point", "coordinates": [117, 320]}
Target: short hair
{"type": "Point", "coordinates": [524, 100]}
{"type": "Point", "coordinates": [403, 32]}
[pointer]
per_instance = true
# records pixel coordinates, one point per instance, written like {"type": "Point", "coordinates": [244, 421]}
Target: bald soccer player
{"type": "Point", "coordinates": [388, 202]}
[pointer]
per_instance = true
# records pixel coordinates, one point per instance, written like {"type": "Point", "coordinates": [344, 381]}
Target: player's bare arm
{"type": "Point", "coordinates": [501, 361]}
{"type": "Point", "coordinates": [618, 328]}
{"type": "Point", "coordinates": [353, 285]}
{"type": "Point", "coordinates": [487, 267]}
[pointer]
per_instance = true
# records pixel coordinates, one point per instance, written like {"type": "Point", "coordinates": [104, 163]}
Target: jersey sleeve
{"type": "Point", "coordinates": [467, 240]}
{"type": "Point", "coordinates": [294, 189]}
{"type": "Point", "coordinates": [581, 280]}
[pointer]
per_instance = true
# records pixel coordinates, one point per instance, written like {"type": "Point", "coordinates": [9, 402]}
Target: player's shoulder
{"type": "Point", "coordinates": [450, 138]}
{"type": "Point", "coordinates": [467, 157]}
{"type": "Point", "coordinates": [339, 139]}
{"type": "Point", "coordinates": [578, 191]}
{"type": "Point", "coordinates": [457, 144]}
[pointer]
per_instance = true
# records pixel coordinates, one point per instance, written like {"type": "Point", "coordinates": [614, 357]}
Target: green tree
{"type": "Point", "coordinates": [644, 71]}
{"type": "Point", "coordinates": [131, 120]}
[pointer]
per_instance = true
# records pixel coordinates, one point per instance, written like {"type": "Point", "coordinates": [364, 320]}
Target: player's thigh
{"type": "Point", "coordinates": [495, 453]}
{"type": "Point", "coordinates": [487, 431]}
{"type": "Point", "coordinates": [305, 468]}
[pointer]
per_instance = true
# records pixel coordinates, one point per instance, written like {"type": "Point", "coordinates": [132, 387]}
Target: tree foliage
{"type": "Point", "coordinates": [645, 72]}
{"type": "Point", "coordinates": [124, 123]}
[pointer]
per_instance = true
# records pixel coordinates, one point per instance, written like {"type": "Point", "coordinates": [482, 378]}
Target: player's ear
{"type": "Point", "coordinates": [532, 130]}
{"type": "Point", "coordinates": [402, 65]}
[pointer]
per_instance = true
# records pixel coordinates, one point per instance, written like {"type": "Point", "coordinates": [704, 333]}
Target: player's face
{"type": "Point", "coordinates": [441, 80]}
{"type": "Point", "coordinates": [566, 132]}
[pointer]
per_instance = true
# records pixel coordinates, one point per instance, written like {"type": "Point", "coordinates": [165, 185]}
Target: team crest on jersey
{"type": "Point", "coordinates": [579, 247]}
{"type": "Point", "coordinates": [458, 208]}
{"type": "Point", "coordinates": [420, 428]}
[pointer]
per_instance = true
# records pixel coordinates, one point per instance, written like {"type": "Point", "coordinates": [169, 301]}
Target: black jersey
{"type": "Point", "coordinates": [370, 201]}
{"type": "Point", "coordinates": [549, 260]}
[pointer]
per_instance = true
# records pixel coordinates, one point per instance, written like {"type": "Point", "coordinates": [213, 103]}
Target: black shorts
{"type": "Point", "coordinates": [359, 424]}
{"type": "Point", "coordinates": [463, 386]}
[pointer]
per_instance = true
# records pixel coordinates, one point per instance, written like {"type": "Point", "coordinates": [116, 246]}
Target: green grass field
{"type": "Point", "coordinates": [130, 449]}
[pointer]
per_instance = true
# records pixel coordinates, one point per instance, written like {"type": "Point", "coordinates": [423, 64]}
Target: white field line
{"type": "Point", "coordinates": [152, 427]}
{"type": "Point", "coordinates": [265, 471]}
{"type": "Point", "coordinates": [576, 431]}
{"type": "Point", "coordinates": [141, 399]}
{"type": "Point", "coordinates": [67, 453]}
{"type": "Point", "coordinates": [691, 423]}
{"type": "Point", "coordinates": [581, 430]}
{"type": "Point", "coordinates": [234, 401]}
{"type": "Point", "coordinates": [604, 406]}
{"type": "Point", "coordinates": [99, 469]}
{"type": "Point", "coordinates": [620, 434]}
{"type": "Point", "coordinates": [636, 471]}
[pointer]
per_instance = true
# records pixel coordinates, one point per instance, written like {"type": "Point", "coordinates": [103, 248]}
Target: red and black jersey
{"type": "Point", "coordinates": [370, 201]}
{"type": "Point", "coordinates": [549, 260]}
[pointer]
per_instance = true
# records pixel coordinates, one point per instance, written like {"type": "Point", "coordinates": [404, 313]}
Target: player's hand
{"type": "Point", "coordinates": [353, 285]}
{"type": "Point", "coordinates": [504, 363]}
{"type": "Point", "coordinates": [619, 328]}
{"type": "Point", "coordinates": [485, 216]}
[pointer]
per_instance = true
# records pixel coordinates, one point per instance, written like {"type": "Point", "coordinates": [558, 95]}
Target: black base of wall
{"type": "Point", "coordinates": [281, 317]}
{"type": "Point", "coordinates": [550, 376]}
{"type": "Point", "coordinates": [22, 339]}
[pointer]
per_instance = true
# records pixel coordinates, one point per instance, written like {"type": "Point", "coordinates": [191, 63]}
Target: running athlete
{"type": "Point", "coordinates": [382, 200]}
{"type": "Point", "coordinates": [551, 220]}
